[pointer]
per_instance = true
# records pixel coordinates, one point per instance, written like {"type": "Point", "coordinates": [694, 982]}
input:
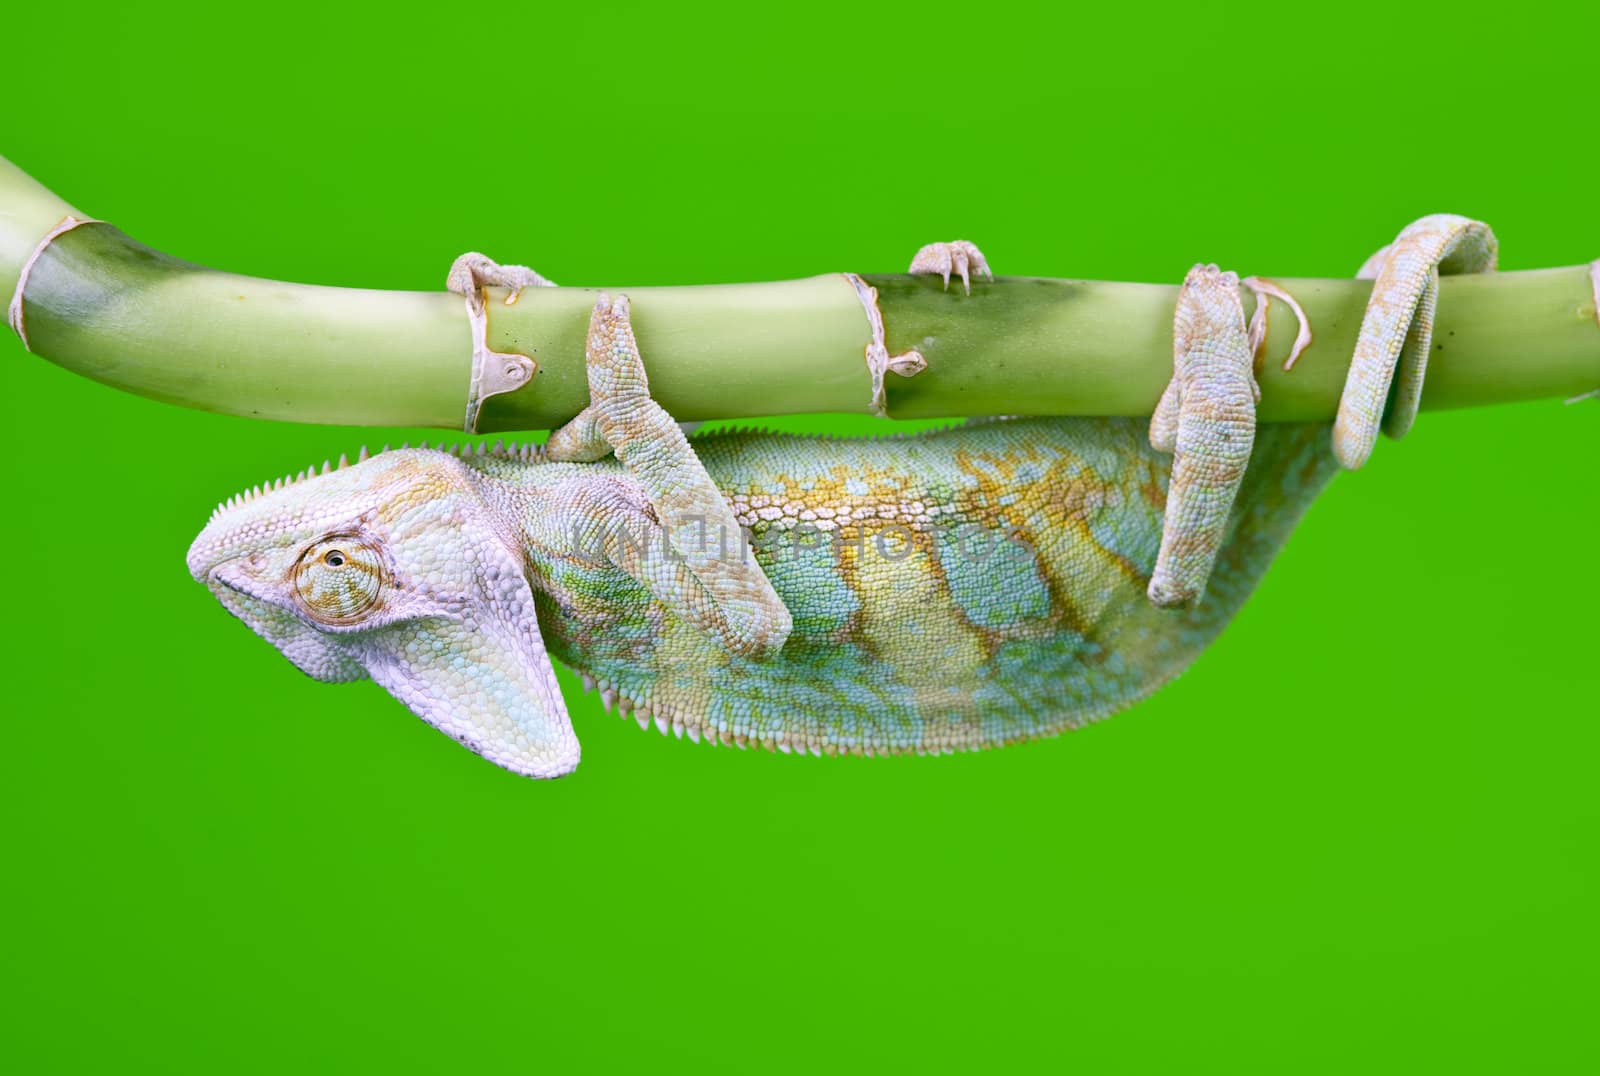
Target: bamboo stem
{"type": "Point", "coordinates": [102, 305]}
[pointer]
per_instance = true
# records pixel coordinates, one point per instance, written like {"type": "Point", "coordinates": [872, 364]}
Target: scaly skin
{"type": "Point", "coordinates": [956, 645]}
{"type": "Point", "coordinates": [680, 507]}
{"type": "Point", "coordinates": [1397, 330]}
{"type": "Point", "coordinates": [961, 589]}
{"type": "Point", "coordinates": [1206, 416]}
{"type": "Point", "coordinates": [1207, 419]}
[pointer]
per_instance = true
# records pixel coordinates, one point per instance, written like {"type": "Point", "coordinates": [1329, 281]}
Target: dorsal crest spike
{"type": "Point", "coordinates": [361, 457]}
{"type": "Point", "coordinates": [344, 461]}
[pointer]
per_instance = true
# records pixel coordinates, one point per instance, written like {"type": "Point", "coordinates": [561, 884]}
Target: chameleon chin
{"type": "Point", "coordinates": [966, 588]}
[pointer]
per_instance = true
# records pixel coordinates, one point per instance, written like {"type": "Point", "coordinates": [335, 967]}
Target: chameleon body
{"type": "Point", "coordinates": [963, 588]}
{"type": "Point", "coordinates": [966, 588]}
{"type": "Point", "coordinates": [960, 589]}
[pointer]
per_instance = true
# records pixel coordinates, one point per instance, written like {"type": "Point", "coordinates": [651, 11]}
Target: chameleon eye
{"type": "Point", "coordinates": [338, 579]}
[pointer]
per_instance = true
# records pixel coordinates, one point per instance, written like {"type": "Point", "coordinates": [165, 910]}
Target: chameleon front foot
{"type": "Point", "coordinates": [958, 256]}
{"type": "Point", "coordinates": [493, 372]}
{"type": "Point", "coordinates": [1207, 418]}
{"type": "Point", "coordinates": [710, 579]}
{"type": "Point", "coordinates": [1397, 329]}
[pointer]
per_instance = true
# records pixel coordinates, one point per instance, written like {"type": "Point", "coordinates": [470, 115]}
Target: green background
{"type": "Point", "coordinates": [1361, 834]}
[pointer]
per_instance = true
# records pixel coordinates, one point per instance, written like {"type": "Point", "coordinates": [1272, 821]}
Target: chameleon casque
{"type": "Point", "coordinates": [965, 588]}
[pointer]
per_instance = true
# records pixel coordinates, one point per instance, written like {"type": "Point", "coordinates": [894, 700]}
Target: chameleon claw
{"type": "Point", "coordinates": [472, 272]}
{"type": "Point", "coordinates": [493, 372]}
{"type": "Point", "coordinates": [958, 255]}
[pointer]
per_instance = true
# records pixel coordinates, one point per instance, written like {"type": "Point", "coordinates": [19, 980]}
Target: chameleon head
{"type": "Point", "coordinates": [396, 569]}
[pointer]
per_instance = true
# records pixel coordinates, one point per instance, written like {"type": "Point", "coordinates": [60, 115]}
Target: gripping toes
{"type": "Point", "coordinates": [1206, 418]}
{"type": "Point", "coordinates": [958, 256]}
{"type": "Point", "coordinates": [472, 272]}
{"type": "Point", "coordinates": [493, 372]}
{"type": "Point", "coordinates": [1397, 329]}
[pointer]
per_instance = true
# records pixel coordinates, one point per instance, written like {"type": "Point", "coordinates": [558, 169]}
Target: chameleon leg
{"type": "Point", "coordinates": [493, 372]}
{"type": "Point", "coordinates": [710, 580]}
{"type": "Point", "coordinates": [957, 255]}
{"type": "Point", "coordinates": [1207, 418]}
{"type": "Point", "coordinates": [1397, 329]}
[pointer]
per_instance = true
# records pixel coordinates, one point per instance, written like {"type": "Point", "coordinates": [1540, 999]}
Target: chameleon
{"type": "Point", "coordinates": [964, 588]}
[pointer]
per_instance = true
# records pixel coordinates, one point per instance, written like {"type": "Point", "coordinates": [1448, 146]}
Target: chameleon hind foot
{"type": "Point", "coordinates": [1397, 329]}
{"type": "Point", "coordinates": [472, 272]}
{"type": "Point", "coordinates": [493, 372]}
{"type": "Point", "coordinates": [710, 580]}
{"type": "Point", "coordinates": [1207, 419]}
{"type": "Point", "coordinates": [958, 256]}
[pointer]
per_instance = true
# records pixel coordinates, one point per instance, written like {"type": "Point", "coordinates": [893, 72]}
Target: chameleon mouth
{"type": "Point", "coordinates": [232, 583]}
{"type": "Point", "coordinates": [238, 601]}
